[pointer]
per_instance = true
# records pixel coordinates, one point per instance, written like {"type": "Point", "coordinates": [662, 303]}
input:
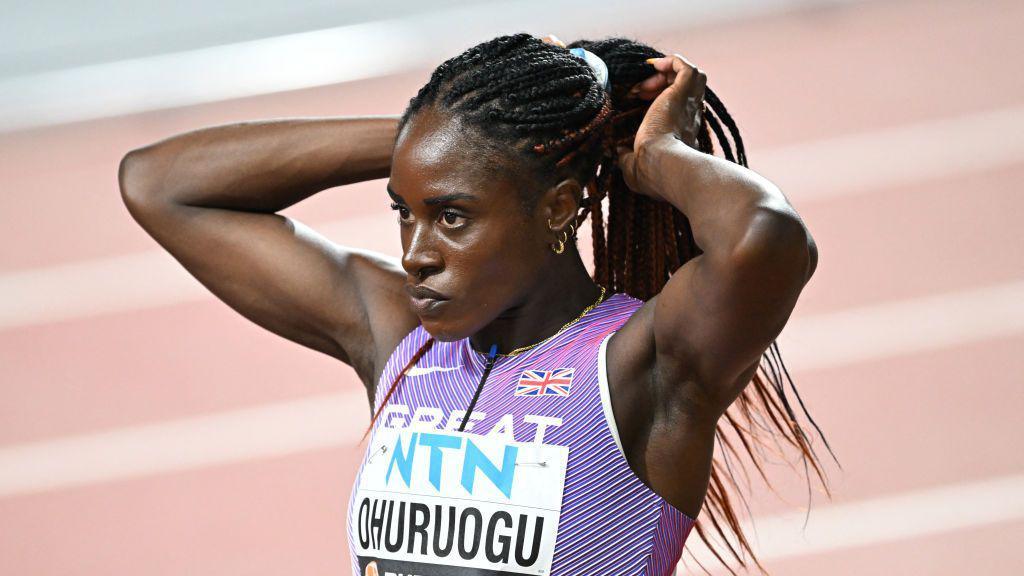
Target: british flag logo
{"type": "Point", "coordinates": [545, 382]}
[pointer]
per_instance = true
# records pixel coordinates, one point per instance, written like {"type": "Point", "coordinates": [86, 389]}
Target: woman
{"type": "Point", "coordinates": [526, 418]}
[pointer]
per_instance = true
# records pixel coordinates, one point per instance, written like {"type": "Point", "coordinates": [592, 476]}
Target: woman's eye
{"type": "Point", "coordinates": [403, 212]}
{"type": "Point", "coordinates": [451, 217]}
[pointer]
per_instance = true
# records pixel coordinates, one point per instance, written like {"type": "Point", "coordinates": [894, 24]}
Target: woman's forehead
{"type": "Point", "coordinates": [441, 162]}
{"type": "Point", "coordinates": [415, 180]}
{"type": "Point", "coordinates": [430, 138]}
{"type": "Point", "coordinates": [440, 153]}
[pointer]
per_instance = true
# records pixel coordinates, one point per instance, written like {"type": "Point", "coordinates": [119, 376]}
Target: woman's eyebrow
{"type": "Point", "coordinates": [434, 200]}
{"type": "Point", "coordinates": [395, 196]}
{"type": "Point", "coordinates": [445, 198]}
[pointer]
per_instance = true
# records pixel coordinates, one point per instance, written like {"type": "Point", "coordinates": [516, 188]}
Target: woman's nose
{"type": "Point", "coordinates": [420, 257]}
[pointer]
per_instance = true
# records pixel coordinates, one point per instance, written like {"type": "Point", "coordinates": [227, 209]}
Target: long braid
{"type": "Point", "coordinates": [394, 384]}
{"type": "Point", "coordinates": [539, 103]}
{"type": "Point", "coordinates": [597, 232]}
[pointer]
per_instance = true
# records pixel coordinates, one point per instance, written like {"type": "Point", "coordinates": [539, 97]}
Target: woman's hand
{"type": "Point", "coordinates": [552, 39]}
{"type": "Point", "coordinates": [675, 114]}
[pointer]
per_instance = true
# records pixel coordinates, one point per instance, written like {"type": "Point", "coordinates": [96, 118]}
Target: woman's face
{"type": "Point", "coordinates": [470, 251]}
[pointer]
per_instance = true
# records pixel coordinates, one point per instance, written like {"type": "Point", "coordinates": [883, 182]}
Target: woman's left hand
{"type": "Point", "coordinates": [675, 114]}
{"type": "Point", "coordinates": [552, 39]}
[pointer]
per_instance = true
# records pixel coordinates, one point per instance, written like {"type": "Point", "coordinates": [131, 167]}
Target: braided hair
{"type": "Point", "coordinates": [536, 102]}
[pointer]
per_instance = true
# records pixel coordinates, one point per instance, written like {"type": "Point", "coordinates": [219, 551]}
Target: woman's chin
{"type": "Point", "coordinates": [442, 331]}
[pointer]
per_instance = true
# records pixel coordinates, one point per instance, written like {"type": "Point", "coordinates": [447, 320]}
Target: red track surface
{"type": "Point", "coordinates": [942, 416]}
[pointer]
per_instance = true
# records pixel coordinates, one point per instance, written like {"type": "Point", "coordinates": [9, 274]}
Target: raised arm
{"type": "Point", "coordinates": [720, 311]}
{"type": "Point", "coordinates": [681, 360]}
{"type": "Point", "coordinates": [704, 334]}
{"type": "Point", "coordinates": [210, 198]}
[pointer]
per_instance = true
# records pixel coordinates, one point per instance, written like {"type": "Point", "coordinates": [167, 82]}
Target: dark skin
{"type": "Point", "coordinates": [466, 236]}
{"type": "Point", "coordinates": [209, 197]}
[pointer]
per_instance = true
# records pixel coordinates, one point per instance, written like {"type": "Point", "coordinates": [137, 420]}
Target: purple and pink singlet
{"type": "Point", "coordinates": [536, 484]}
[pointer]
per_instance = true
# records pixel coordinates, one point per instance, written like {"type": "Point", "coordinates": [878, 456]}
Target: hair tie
{"type": "Point", "coordinates": [596, 64]}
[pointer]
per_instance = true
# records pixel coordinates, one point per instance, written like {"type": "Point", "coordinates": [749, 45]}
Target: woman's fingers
{"type": "Point", "coordinates": [656, 82]}
{"type": "Point", "coordinates": [687, 72]}
{"type": "Point", "coordinates": [670, 63]}
{"type": "Point", "coordinates": [668, 70]}
{"type": "Point", "coordinates": [552, 39]}
{"type": "Point", "coordinates": [672, 66]}
{"type": "Point", "coordinates": [649, 88]}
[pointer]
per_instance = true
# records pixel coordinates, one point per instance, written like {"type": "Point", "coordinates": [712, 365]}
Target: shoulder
{"type": "Point", "coordinates": [601, 327]}
{"type": "Point", "coordinates": [617, 310]}
{"type": "Point", "coordinates": [633, 385]}
{"type": "Point", "coordinates": [643, 380]}
{"type": "Point", "coordinates": [631, 346]}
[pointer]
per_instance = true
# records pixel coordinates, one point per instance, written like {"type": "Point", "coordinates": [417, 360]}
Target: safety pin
{"type": "Point", "coordinates": [542, 463]}
{"type": "Point", "coordinates": [382, 449]}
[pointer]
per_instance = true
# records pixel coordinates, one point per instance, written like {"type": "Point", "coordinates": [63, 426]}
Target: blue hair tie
{"type": "Point", "coordinates": [596, 64]}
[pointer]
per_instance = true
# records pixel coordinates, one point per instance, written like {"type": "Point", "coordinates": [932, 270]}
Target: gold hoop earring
{"type": "Point", "coordinates": [560, 247]}
{"type": "Point", "coordinates": [572, 231]}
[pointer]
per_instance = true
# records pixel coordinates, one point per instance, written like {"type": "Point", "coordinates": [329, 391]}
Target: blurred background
{"type": "Point", "coordinates": [146, 428]}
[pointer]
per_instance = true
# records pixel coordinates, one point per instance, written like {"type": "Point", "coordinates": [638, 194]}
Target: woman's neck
{"type": "Point", "coordinates": [559, 298]}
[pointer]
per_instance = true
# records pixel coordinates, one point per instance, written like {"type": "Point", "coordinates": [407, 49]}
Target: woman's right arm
{"type": "Point", "coordinates": [210, 198]}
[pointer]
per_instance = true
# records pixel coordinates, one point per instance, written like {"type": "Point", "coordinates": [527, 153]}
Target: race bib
{"type": "Point", "coordinates": [434, 502]}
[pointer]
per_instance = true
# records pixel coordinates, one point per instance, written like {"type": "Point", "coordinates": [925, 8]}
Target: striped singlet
{"type": "Point", "coordinates": [537, 483]}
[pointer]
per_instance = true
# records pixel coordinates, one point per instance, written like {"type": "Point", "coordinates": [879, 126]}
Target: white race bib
{"type": "Point", "coordinates": [434, 502]}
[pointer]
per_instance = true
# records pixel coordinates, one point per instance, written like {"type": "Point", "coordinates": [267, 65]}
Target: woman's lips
{"type": "Point", "coordinates": [427, 306]}
{"type": "Point", "coordinates": [425, 301]}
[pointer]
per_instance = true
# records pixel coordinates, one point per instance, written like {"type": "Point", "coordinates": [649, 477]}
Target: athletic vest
{"type": "Point", "coordinates": [537, 483]}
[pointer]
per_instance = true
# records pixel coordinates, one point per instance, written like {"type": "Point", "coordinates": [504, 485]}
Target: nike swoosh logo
{"type": "Point", "coordinates": [420, 371]}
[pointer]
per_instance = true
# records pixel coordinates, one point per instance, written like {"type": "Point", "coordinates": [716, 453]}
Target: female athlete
{"type": "Point", "coordinates": [527, 417]}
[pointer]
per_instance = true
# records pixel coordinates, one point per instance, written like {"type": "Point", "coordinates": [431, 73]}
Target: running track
{"type": "Point", "coordinates": [146, 428]}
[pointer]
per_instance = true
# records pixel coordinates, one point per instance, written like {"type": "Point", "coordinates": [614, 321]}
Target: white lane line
{"type": "Point", "coordinates": [149, 279]}
{"type": "Point", "coordinates": [906, 515]}
{"type": "Point", "coordinates": [912, 153]}
{"type": "Point", "coordinates": [334, 55]}
{"type": "Point", "coordinates": [292, 61]}
{"type": "Point", "coordinates": [879, 331]}
{"type": "Point", "coordinates": [143, 280]}
{"type": "Point", "coordinates": [282, 428]}
{"type": "Point", "coordinates": [253, 433]}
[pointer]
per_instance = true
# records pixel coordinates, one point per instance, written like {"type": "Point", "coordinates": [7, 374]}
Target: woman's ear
{"type": "Point", "coordinates": [561, 203]}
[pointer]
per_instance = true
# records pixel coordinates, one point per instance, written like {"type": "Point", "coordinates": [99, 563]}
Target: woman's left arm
{"type": "Point", "coordinates": [720, 311]}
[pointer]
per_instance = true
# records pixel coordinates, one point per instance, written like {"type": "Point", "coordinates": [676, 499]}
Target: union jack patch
{"type": "Point", "coordinates": [545, 382]}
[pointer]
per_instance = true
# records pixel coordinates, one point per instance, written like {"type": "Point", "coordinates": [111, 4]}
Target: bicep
{"type": "Point", "coordinates": [284, 276]}
{"type": "Point", "coordinates": [719, 312]}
